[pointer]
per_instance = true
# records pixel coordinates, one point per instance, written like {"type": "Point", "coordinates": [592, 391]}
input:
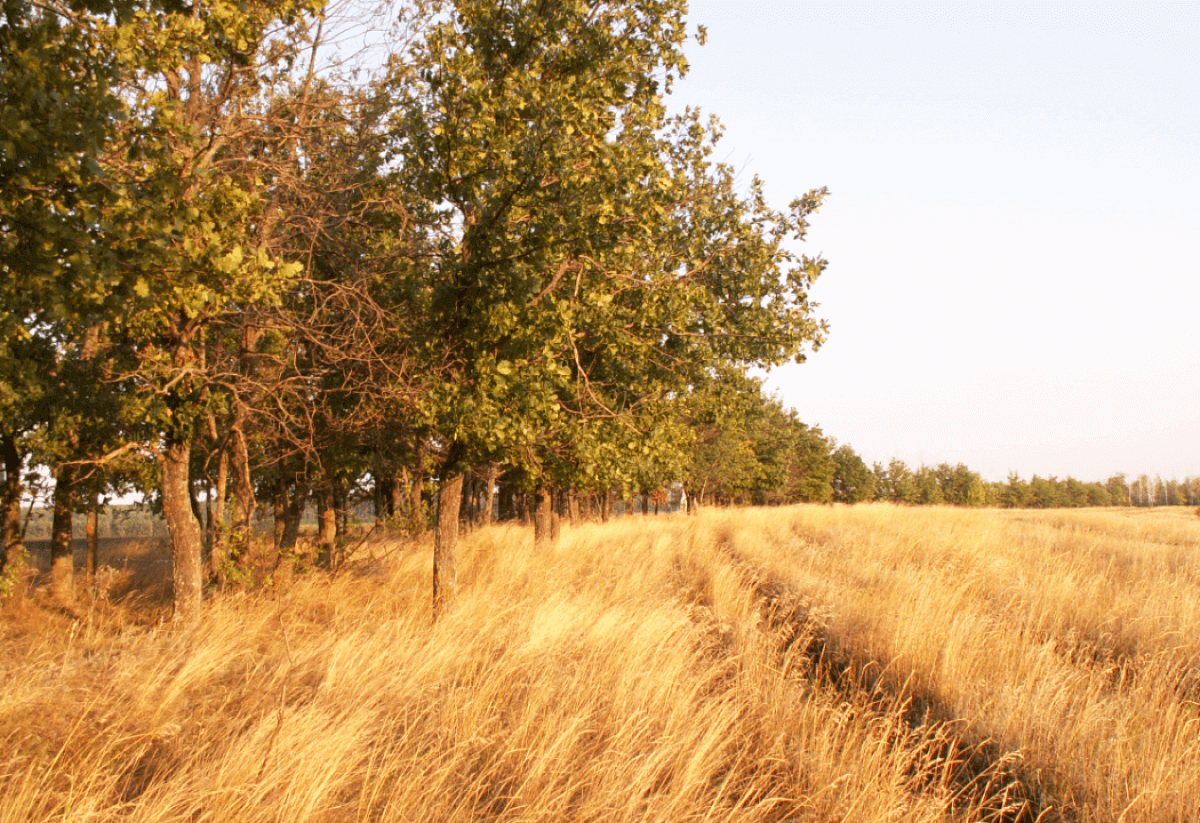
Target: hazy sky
{"type": "Point", "coordinates": [1013, 227]}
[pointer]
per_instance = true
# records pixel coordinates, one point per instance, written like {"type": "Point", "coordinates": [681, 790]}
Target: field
{"type": "Point", "coordinates": [811, 664]}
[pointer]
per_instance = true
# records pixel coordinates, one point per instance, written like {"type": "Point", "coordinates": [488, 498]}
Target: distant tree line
{"type": "Point", "coordinates": [748, 448]}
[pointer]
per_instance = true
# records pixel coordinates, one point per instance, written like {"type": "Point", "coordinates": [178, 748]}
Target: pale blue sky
{"type": "Point", "coordinates": [1013, 230]}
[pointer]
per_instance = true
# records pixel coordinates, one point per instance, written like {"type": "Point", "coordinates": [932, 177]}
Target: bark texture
{"type": "Point", "coordinates": [92, 530]}
{"type": "Point", "coordinates": [293, 512]}
{"type": "Point", "coordinates": [186, 538]}
{"type": "Point", "coordinates": [13, 557]}
{"type": "Point", "coordinates": [244, 503]}
{"type": "Point", "coordinates": [445, 549]}
{"type": "Point", "coordinates": [62, 552]}
{"type": "Point", "coordinates": [326, 526]}
{"type": "Point", "coordinates": [489, 493]}
{"type": "Point", "coordinates": [543, 517]}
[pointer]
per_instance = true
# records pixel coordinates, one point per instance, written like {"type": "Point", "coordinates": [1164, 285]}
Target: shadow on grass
{"type": "Point", "coordinates": [987, 777]}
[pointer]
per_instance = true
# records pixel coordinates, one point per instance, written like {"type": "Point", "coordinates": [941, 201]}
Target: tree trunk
{"type": "Point", "coordinates": [543, 517]}
{"type": "Point", "coordinates": [489, 493]}
{"type": "Point", "coordinates": [379, 499]}
{"type": "Point", "coordinates": [556, 514]}
{"type": "Point", "coordinates": [445, 549]}
{"type": "Point", "coordinates": [279, 510]}
{"type": "Point", "coordinates": [297, 501]}
{"type": "Point", "coordinates": [342, 503]}
{"type": "Point", "coordinates": [62, 552]}
{"type": "Point", "coordinates": [218, 536]}
{"type": "Point", "coordinates": [606, 506]}
{"type": "Point", "coordinates": [415, 511]}
{"type": "Point", "coordinates": [186, 539]}
{"type": "Point", "coordinates": [573, 506]}
{"type": "Point", "coordinates": [326, 526]}
{"type": "Point", "coordinates": [470, 504]}
{"type": "Point", "coordinates": [244, 503]}
{"type": "Point", "coordinates": [92, 529]}
{"type": "Point", "coordinates": [396, 495]}
{"type": "Point", "coordinates": [12, 560]}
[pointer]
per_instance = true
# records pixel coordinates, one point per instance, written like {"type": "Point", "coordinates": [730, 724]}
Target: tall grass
{"type": "Point", "coordinates": [865, 664]}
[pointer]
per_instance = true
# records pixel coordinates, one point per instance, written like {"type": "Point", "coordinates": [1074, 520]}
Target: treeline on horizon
{"type": "Point", "coordinates": [749, 448]}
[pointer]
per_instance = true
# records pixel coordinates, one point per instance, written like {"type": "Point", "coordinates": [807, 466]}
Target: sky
{"type": "Point", "coordinates": [1013, 225]}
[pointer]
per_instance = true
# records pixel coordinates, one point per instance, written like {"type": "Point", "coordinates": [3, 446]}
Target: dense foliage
{"type": "Point", "coordinates": [235, 268]}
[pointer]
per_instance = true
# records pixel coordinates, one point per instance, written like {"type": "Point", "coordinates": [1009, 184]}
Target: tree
{"type": "Point", "coordinates": [852, 481]}
{"type": "Point", "coordinates": [56, 112]}
{"type": "Point", "coordinates": [588, 259]}
{"type": "Point", "coordinates": [1016, 494]}
{"type": "Point", "coordinates": [1045, 493]}
{"type": "Point", "coordinates": [810, 473]}
{"type": "Point", "coordinates": [928, 489]}
{"type": "Point", "coordinates": [190, 226]}
{"type": "Point", "coordinates": [1118, 490]}
{"type": "Point", "coordinates": [726, 413]}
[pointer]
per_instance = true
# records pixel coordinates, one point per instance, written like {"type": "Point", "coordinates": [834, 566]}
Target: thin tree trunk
{"type": "Point", "coordinates": [92, 529]}
{"type": "Point", "coordinates": [415, 510]}
{"type": "Point", "coordinates": [396, 494]}
{"type": "Point", "coordinates": [543, 517]}
{"type": "Point", "coordinates": [445, 548]}
{"type": "Point", "coordinates": [297, 501]}
{"type": "Point", "coordinates": [62, 553]}
{"type": "Point", "coordinates": [342, 503]}
{"type": "Point", "coordinates": [573, 506]}
{"type": "Point", "coordinates": [279, 510]}
{"type": "Point", "coordinates": [379, 500]}
{"type": "Point", "coordinates": [489, 493]}
{"type": "Point", "coordinates": [606, 506]}
{"type": "Point", "coordinates": [13, 558]}
{"type": "Point", "coordinates": [218, 536]}
{"type": "Point", "coordinates": [326, 526]}
{"type": "Point", "coordinates": [244, 503]}
{"type": "Point", "coordinates": [186, 538]}
{"type": "Point", "coordinates": [470, 504]}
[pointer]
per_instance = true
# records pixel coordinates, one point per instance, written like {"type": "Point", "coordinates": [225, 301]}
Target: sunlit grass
{"type": "Point", "coordinates": [826, 664]}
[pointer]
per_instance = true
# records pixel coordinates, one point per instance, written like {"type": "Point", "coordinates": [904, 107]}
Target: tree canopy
{"type": "Point", "coordinates": [280, 278]}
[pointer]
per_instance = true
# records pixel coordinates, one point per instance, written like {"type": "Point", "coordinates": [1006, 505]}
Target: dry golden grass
{"type": "Point", "coordinates": [809, 664]}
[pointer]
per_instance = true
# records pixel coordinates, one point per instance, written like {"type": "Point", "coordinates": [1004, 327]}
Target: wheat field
{"type": "Point", "coordinates": [866, 664]}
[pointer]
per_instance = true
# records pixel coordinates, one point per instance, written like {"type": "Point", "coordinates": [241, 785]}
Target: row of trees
{"type": "Point", "coordinates": [749, 448]}
{"type": "Point", "coordinates": [235, 270]}
{"type": "Point", "coordinates": [237, 273]}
